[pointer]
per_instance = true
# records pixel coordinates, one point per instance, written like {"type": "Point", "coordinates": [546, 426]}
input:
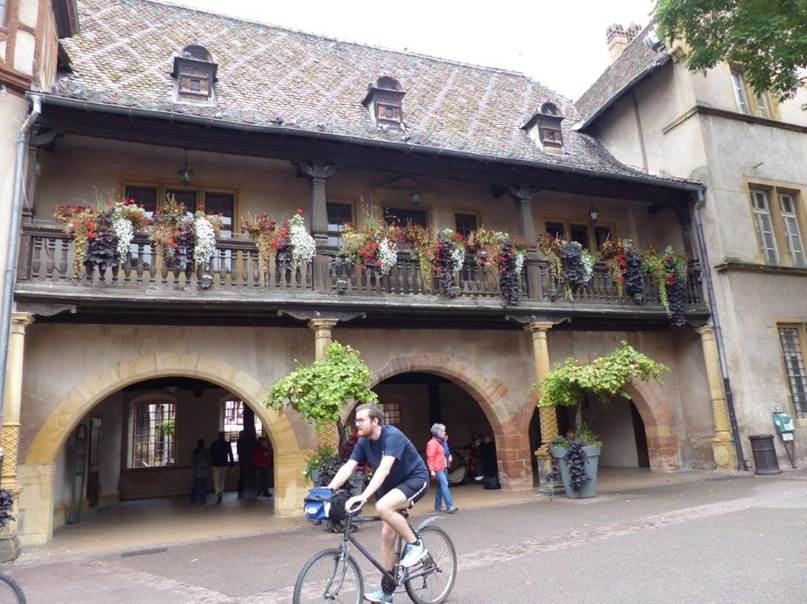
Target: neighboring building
{"type": "Point", "coordinates": [749, 151]}
{"type": "Point", "coordinates": [122, 371]}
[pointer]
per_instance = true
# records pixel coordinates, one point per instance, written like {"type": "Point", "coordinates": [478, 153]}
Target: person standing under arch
{"type": "Point", "coordinates": [438, 458]}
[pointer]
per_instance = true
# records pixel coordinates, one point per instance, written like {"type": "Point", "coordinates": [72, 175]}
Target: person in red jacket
{"type": "Point", "coordinates": [263, 461]}
{"type": "Point", "coordinates": [438, 458]}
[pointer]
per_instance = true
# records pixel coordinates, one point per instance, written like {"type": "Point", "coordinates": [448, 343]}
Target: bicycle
{"type": "Point", "coordinates": [333, 575]}
{"type": "Point", "coordinates": [9, 586]}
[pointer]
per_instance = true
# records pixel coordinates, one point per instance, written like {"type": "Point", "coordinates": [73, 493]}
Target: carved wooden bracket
{"type": "Point", "coordinates": [45, 310]}
{"type": "Point", "coordinates": [528, 319]}
{"type": "Point", "coordinates": [316, 315]}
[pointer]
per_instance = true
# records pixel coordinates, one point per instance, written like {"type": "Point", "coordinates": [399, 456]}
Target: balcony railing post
{"type": "Point", "coordinates": [321, 271]}
{"type": "Point", "coordinates": [24, 258]}
{"type": "Point", "coordinates": [532, 265]}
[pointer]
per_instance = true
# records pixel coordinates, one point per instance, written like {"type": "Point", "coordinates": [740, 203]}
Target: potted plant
{"type": "Point", "coordinates": [567, 385]}
{"type": "Point", "coordinates": [577, 456]}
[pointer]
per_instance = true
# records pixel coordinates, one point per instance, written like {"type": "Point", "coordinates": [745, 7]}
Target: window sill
{"type": "Point", "coordinates": [754, 267]}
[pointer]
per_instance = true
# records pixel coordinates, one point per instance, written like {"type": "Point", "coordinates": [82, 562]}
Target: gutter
{"type": "Point", "coordinates": [706, 273]}
{"type": "Point", "coordinates": [209, 122]}
{"type": "Point", "coordinates": [13, 242]}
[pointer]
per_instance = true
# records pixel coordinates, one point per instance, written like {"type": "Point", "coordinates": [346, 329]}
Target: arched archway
{"type": "Point", "coordinates": [60, 422]}
{"type": "Point", "coordinates": [41, 456]}
{"type": "Point", "coordinates": [512, 443]}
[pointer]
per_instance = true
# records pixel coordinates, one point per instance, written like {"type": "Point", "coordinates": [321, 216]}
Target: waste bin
{"type": "Point", "coordinates": [765, 461]}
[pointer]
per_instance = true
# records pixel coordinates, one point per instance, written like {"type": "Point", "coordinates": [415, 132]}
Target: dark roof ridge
{"type": "Point", "coordinates": [178, 4]}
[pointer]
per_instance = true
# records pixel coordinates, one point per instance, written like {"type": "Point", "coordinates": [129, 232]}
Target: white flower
{"type": "Point", "coordinates": [205, 240]}
{"type": "Point", "coordinates": [458, 257]}
{"type": "Point", "coordinates": [520, 257]}
{"type": "Point", "coordinates": [303, 245]}
{"type": "Point", "coordinates": [588, 264]}
{"type": "Point", "coordinates": [124, 232]}
{"type": "Point", "coordinates": [387, 255]}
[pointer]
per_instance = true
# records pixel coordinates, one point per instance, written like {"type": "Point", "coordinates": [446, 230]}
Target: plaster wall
{"type": "Point", "coordinates": [13, 110]}
{"type": "Point", "coordinates": [614, 425]}
{"type": "Point", "coordinates": [83, 170]}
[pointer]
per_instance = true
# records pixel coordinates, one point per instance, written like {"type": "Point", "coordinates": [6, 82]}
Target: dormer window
{"type": "Point", "coordinates": [195, 74]}
{"type": "Point", "coordinates": [384, 101]}
{"type": "Point", "coordinates": [544, 128]}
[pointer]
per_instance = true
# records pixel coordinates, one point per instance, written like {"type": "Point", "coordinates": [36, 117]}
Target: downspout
{"type": "Point", "coordinates": [13, 243]}
{"type": "Point", "coordinates": [706, 273]}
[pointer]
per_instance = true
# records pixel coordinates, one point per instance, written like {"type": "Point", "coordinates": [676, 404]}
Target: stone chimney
{"type": "Point", "coordinates": [618, 38]}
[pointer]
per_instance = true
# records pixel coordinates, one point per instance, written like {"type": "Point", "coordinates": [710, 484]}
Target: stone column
{"type": "Point", "coordinates": [323, 336]}
{"type": "Point", "coordinates": [9, 440]}
{"type": "Point", "coordinates": [722, 442]}
{"type": "Point", "coordinates": [548, 415]}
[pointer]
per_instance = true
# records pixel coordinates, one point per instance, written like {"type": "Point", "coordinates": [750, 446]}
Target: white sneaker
{"type": "Point", "coordinates": [413, 553]}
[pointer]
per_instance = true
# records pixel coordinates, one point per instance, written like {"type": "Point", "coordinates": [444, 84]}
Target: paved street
{"type": "Point", "coordinates": [734, 539]}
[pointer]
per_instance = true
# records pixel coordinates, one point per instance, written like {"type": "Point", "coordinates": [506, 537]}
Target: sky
{"type": "Point", "coordinates": [559, 43]}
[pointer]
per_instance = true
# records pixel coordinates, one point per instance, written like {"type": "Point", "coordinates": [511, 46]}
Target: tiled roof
{"type": "Point", "coordinates": [268, 76]}
{"type": "Point", "coordinates": [636, 61]}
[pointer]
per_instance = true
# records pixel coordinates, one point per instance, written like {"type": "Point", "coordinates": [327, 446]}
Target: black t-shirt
{"type": "Point", "coordinates": [408, 464]}
{"type": "Point", "coordinates": [221, 453]}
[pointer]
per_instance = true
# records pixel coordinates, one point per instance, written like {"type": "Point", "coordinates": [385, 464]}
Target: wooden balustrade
{"type": "Point", "coordinates": [46, 256]}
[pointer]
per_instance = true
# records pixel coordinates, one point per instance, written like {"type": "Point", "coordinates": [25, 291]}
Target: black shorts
{"type": "Point", "coordinates": [413, 489]}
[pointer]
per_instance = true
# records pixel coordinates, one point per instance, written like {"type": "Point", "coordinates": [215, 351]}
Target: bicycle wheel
{"type": "Point", "coordinates": [9, 589]}
{"type": "Point", "coordinates": [440, 566]}
{"type": "Point", "coordinates": [328, 578]}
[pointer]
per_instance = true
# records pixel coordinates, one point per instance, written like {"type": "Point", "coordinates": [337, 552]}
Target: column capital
{"type": "Point", "coordinates": [523, 193]}
{"type": "Point", "coordinates": [22, 318]}
{"type": "Point", "coordinates": [705, 331]}
{"type": "Point", "coordinates": [318, 324]}
{"type": "Point", "coordinates": [539, 326]}
{"type": "Point", "coordinates": [316, 169]}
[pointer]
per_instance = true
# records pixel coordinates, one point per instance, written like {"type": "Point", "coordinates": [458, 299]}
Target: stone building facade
{"type": "Point", "coordinates": [271, 120]}
{"type": "Point", "coordinates": [748, 151]}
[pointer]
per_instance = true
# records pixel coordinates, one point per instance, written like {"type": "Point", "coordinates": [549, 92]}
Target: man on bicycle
{"type": "Point", "coordinates": [400, 478]}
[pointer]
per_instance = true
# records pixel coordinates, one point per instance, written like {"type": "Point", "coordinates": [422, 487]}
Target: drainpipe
{"type": "Point", "coordinates": [706, 274]}
{"type": "Point", "coordinates": [13, 242]}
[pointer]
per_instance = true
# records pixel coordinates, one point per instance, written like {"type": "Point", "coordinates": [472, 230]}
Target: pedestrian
{"type": "Point", "coordinates": [263, 461]}
{"type": "Point", "coordinates": [246, 452]}
{"type": "Point", "coordinates": [221, 457]}
{"type": "Point", "coordinates": [201, 462]}
{"type": "Point", "coordinates": [487, 457]}
{"type": "Point", "coordinates": [438, 459]}
{"type": "Point", "coordinates": [474, 453]}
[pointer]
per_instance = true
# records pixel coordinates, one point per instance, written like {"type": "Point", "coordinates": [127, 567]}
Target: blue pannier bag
{"type": "Point", "coordinates": [318, 504]}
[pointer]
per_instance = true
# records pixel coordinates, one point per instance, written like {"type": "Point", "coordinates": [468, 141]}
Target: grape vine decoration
{"type": "Point", "coordinates": [576, 458]}
{"type": "Point", "coordinates": [509, 275]}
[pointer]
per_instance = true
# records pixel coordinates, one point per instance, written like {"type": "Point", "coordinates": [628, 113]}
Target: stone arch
{"type": "Point", "coordinates": [50, 438]}
{"type": "Point", "coordinates": [658, 418]}
{"type": "Point", "coordinates": [512, 447]}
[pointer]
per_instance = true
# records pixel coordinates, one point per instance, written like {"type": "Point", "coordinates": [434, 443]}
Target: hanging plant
{"type": "Point", "coordinates": [569, 263]}
{"type": "Point", "coordinates": [448, 259]}
{"type": "Point", "coordinates": [677, 274]}
{"type": "Point", "coordinates": [510, 265]}
{"type": "Point", "coordinates": [205, 230]}
{"type": "Point", "coordinates": [653, 265]}
{"type": "Point", "coordinates": [301, 243]}
{"type": "Point", "coordinates": [172, 233]}
{"type": "Point", "coordinates": [102, 235]}
{"type": "Point", "coordinates": [613, 254]}
{"type": "Point", "coordinates": [372, 246]}
{"type": "Point", "coordinates": [424, 245]}
{"type": "Point", "coordinates": [262, 229]}
{"type": "Point", "coordinates": [566, 385]}
{"type": "Point", "coordinates": [633, 276]}
{"type": "Point", "coordinates": [319, 390]}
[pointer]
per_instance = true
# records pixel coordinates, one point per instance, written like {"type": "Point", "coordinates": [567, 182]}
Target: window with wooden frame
{"type": "Point", "coordinates": [405, 217]}
{"type": "Point", "coordinates": [153, 434]}
{"type": "Point", "coordinates": [778, 221]}
{"type": "Point", "coordinates": [590, 236]}
{"type": "Point", "coordinates": [792, 340]}
{"type": "Point", "coordinates": [392, 413]}
{"type": "Point", "coordinates": [222, 204]}
{"type": "Point", "coordinates": [749, 101]}
{"type": "Point", "coordinates": [338, 215]}
{"type": "Point", "coordinates": [465, 223]}
{"type": "Point", "coordinates": [3, 12]}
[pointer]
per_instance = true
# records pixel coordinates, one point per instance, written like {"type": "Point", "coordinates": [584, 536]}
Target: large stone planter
{"type": "Point", "coordinates": [589, 489]}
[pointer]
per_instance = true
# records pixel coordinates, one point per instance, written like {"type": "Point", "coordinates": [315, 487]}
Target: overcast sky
{"type": "Point", "coordinates": [559, 43]}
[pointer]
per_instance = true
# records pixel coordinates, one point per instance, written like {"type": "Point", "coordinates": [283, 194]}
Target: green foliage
{"type": "Point", "coordinates": [585, 436]}
{"type": "Point", "coordinates": [317, 391]}
{"type": "Point", "coordinates": [565, 385]}
{"type": "Point", "coordinates": [316, 459]}
{"type": "Point", "coordinates": [767, 37]}
{"type": "Point", "coordinates": [169, 427]}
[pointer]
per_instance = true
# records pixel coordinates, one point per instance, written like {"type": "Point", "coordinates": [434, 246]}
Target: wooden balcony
{"type": "Point", "coordinates": [45, 275]}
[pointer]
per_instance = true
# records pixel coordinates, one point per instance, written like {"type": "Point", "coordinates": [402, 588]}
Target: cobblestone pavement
{"type": "Point", "coordinates": [735, 539]}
